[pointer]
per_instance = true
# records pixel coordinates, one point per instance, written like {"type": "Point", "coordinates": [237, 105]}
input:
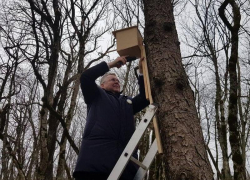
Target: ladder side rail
{"type": "Point", "coordinates": [133, 142]}
{"type": "Point", "coordinates": [147, 161]}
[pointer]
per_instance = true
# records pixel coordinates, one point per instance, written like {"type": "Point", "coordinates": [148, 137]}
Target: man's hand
{"type": "Point", "coordinates": [140, 65]}
{"type": "Point", "coordinates": [118, 62]}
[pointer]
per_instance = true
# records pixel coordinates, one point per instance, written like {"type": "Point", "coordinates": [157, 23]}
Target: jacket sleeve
{"type": "Point", "coordinates": [140, 101]}
{"type": "Point", "coordinates": [88, 77]}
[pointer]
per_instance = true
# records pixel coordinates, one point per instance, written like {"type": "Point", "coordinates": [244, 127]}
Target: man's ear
{"type": "Point", "coordinates": [102, 86]}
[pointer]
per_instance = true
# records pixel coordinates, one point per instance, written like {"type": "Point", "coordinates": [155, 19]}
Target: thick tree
{"type": "Point", "coordinates": [184, 147]}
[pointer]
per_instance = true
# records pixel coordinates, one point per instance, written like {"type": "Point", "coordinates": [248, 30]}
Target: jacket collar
{"type": "Point", "coordinates": [113, 94]}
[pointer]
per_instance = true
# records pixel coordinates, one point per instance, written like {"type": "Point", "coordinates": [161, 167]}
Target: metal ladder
{"type": "Point", "coordinates": [132, 144]}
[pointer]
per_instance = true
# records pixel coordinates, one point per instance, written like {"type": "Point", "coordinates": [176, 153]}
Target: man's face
{"type": "Point", "coordinates": [111, 83]}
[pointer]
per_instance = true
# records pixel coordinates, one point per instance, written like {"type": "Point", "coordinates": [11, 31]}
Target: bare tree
{"type": "Point", "coordinates": [234, 135]}
{"type": "Point", "coordinates": [58, 45]}
{"type": "Point", "coordinates": [211, 43]}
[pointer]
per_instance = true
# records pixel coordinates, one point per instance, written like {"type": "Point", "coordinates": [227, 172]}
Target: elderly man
{"type": "Point", "coordinates": [110, 123]}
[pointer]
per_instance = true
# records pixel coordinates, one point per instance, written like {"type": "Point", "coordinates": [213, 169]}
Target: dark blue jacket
{"type": "Point", "coordinates": [110, 125]}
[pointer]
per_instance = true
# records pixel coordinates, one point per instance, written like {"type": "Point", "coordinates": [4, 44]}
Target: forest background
{"type": "Point", "coordinates": [46, 45]}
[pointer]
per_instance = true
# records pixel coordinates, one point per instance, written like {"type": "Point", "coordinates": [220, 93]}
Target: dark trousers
{"type": "Point", "coordinates": [91, 176]}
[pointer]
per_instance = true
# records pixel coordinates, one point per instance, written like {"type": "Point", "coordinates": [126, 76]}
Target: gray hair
{"type": "Point", "coordinates": [105, 75]}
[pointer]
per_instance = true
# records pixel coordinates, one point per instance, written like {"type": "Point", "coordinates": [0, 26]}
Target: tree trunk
{"type": "Point", "coordinates": [234, 134]}
{"type": "Point", "coordinates": [183, 143]}
{"type": "Point", "coordinates": [62, 158]}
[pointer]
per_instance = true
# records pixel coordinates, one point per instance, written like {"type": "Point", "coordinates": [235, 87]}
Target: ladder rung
{"type": "Point", "coordinates": [138, 163]}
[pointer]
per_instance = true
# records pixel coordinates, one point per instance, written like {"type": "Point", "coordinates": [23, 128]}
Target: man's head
{"type": "Point", "coordinates": [110, 82]}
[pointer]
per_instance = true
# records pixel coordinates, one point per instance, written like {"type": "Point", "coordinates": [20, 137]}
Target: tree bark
{"type": "Point", "coordinates": [183, 143]}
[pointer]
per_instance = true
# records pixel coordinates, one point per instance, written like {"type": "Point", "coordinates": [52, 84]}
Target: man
{"type": "Point", "coordinates": [110, 122]}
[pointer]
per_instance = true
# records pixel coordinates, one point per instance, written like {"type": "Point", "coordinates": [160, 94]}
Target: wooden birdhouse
{"type": "Point", "coordinates": [129, 41]}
